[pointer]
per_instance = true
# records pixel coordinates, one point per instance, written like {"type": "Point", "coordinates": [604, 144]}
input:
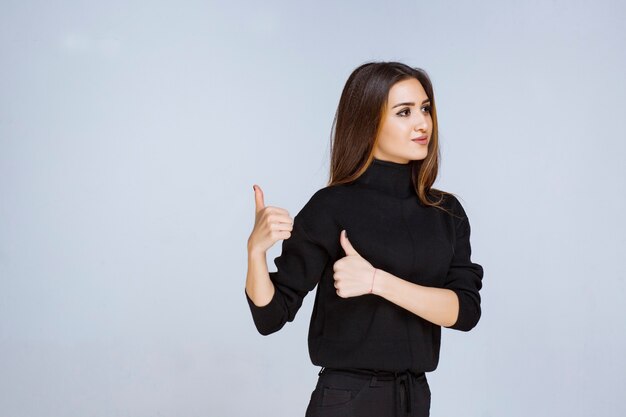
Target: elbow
{"type": "Point", "coordinates": [469, 312]}
{"type": "Point", "coordinates": [266, 331]}
{"type": "Point", "coordinates": [465, 323]}
{"type": "Point", "coordinates": [269, 318]}
{"type": "Point", "coordinates": [267, 325]}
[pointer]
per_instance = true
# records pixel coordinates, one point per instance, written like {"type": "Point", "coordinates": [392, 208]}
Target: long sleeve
{"type": "Point", "coordinates": [299, 269]}
{"type": "Point", "coordinates": [393, 230]}
{"type": "Point", "coordinates": [465, 277]}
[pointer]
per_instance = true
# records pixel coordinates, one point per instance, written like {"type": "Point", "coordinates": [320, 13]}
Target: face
{"type": "Point", "coordinates": [407, 118]}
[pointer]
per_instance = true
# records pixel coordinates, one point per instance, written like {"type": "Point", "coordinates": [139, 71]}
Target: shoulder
{"type": "Point", "coordinates": [319, 216]}
{"type": "Point", "coordinates": [451, 203]}
{"type": "Point", "coordinates": [325, 199]}
{"type": "Point", "coordinates": [319, 204]}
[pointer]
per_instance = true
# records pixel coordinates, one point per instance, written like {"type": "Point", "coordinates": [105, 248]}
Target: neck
{"type": "Point", "coordinates": [391, 178]}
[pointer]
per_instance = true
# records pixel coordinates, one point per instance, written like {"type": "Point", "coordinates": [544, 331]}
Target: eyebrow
{"type": "Point", "coordinates": [409, 103]}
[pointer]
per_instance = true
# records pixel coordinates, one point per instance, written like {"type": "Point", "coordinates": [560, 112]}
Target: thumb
{"type": "Point", "coordinates": [258, 198]}
{"type": "Point", "coordinates": [346, 245]}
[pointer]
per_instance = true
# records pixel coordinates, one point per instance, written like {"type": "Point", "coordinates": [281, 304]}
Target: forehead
{"type": "Point", "coordinates": [407, 90]}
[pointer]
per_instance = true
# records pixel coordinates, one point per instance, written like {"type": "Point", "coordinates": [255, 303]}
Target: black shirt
{"type": "Point", "coordinates": [389, 227]}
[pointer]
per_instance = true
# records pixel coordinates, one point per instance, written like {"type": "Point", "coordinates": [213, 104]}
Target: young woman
{"type": "Point", "coordinates": [389, 254]}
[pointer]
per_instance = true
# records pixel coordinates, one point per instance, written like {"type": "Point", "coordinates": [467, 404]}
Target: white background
{"type": "Point", "coordinates": [131, 133]}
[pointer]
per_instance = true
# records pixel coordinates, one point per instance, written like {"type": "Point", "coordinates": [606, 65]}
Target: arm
{"type": "Point", "coordinates": [455, 305]}
{"type": "Point", "coordinates": [259, 287]}
{"type": "Point", "coordinates": [464, 277]}
{"type": "Point", "coordinates": [437, 305]}
{"type": "Point", "coordinates": [280, 294]}
{"type": "Point", "coordinates": [275, 297]}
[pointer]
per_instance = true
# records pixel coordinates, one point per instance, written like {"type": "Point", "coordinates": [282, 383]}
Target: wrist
{"type": "Point", "coordinates": [380, 279]}
{"type": "Point", "coordinates": [254, 251]}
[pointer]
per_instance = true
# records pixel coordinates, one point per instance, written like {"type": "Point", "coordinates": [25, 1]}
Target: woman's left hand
{"type": "Point", "coordinates": [353, 274]}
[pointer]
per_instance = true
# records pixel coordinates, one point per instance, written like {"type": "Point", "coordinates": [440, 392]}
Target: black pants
{"type": "Point", "coordinates": [364, 393]}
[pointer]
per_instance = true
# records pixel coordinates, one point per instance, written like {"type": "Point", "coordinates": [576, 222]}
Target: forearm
{"type": "Point", "coordinates": [259, 287]}
{"type": "Point", "coordinates": [437, 305]}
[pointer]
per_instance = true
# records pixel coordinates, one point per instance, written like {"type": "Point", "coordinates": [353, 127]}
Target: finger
{"type": "Point", "coordinates": [273, 209]}
{"type": "Point", "coordinates": [259, 202]}
{"type": "Point", "coordinates": [346, 245]}
{"type": "Point", "coordinates": [277, 213]}
{"type": "Point", "coordinates": [337, 265]}
{"type": "Point", "coordinates": [279, 218]}
{"type": "Point", "coordinates": [281, 226]}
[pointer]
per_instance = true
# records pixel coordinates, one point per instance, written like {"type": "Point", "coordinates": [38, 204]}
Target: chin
{"type": "Point", "coordinates": [418, 157]}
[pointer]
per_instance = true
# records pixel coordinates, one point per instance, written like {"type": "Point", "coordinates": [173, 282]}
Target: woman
{"type": "Point", "coordinates": [390, 255]}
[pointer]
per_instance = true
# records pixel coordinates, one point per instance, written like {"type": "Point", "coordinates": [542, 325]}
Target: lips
{"type": "Point", "coordinates": [421, 138]}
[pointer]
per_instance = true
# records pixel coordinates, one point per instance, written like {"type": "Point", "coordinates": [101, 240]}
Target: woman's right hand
{"type": "Point", "coordinates": [270, 225]}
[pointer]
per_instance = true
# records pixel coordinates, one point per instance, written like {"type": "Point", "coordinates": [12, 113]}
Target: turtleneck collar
{"type": "Point", "coordinates": [391, 178]}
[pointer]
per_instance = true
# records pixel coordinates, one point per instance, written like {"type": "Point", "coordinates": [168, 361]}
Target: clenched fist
{"type": "Point", "coordinates": [353, 274]}
{"type": "Point", "coordinates": [270, 224]}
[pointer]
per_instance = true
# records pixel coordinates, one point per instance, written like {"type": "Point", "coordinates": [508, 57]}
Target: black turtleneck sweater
{"type": "Point", "coordinates": [389, 227]}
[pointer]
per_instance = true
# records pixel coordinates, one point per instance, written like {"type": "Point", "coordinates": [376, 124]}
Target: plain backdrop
{"type": "Point", "coordinates": [131, 133]}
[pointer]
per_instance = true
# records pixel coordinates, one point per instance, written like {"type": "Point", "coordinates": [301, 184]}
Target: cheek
{"type": "Point", "coordinates": [396, 131]}
{"type": "Point", "coordinates": [394, 134]}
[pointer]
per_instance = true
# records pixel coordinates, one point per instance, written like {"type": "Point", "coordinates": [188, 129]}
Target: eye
{"type": "Point", "coordinates": [402, 112]}
{"type": "Point", "coordinates": [427, 108]}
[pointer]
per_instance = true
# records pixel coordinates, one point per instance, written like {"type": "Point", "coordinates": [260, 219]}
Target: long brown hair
{"type": "Point", "coordinates": [358, 119]}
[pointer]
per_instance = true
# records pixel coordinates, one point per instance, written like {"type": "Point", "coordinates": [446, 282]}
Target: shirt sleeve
{"type": "Point", "coordinates": [464, 276]}
{"type": "Point", "coordinates": [299, 268]}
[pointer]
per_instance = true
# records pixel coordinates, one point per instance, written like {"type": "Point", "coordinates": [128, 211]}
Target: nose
{"type": "Point", "coordinates": [421, 123]}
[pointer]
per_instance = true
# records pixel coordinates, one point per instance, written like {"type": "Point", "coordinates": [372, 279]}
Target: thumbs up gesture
{"type": "Point", "coordinates": [270, 224]}
{"type": "Point", "coordinates": [353, 274]}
